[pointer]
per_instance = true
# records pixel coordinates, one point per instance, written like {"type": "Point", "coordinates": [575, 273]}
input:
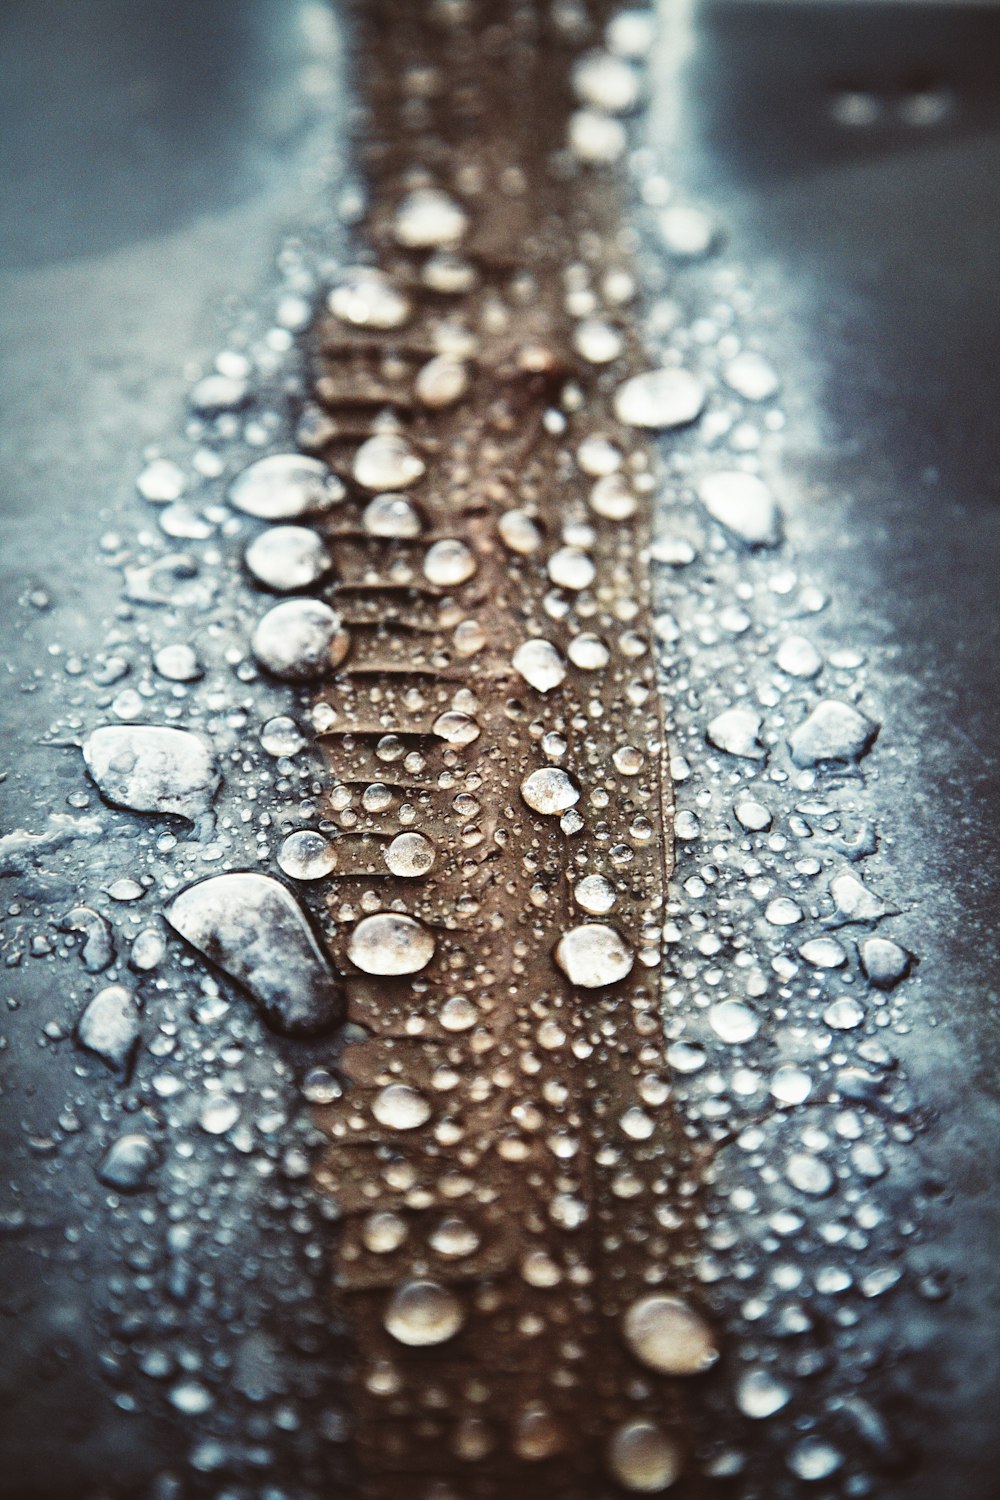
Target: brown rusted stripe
{"type": "Point", "coordinates": [569, 1218]}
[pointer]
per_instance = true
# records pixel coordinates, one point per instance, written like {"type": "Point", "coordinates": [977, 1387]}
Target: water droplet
{"type": "Point", "coordinates": [387, 462]}
{"type": "Point", "coordinates": [151, 769]}
{"type": "Point", "coordinates": [449, 562]}
{"type": "Point", "coordinates": [733, 1021]}
{"type": "Point", "coordinates": [743, 504]}
{"type": "Point", "coordinates": [519, 532]}
{"type": "Point", "coordinates": [643, 1458]}
{"type": "Point", "coordinates": [253, 928]}
{"type": "Point", "coordinates": [550, 791]}
{"type": "Point", "coordinates": [109, 1027]}
{"type": "Point", "coordinates": [798, 657]}
{"type": "Point", "coordinates": [285, 558]}
{"type": "Point", "coordinates": [540, 664]}
{"type": "Point", "coordinates": [391, 944]}
{"type": "Point", "coordinates": [282, 737]}
{"type": "Point", "coordinates": [596, 138]}
{"type": "Point", "coordinates": [844, 1014]}
{"type": "Point", "coordinates": [409, 855]}
{"type": "Point", "coordinates": [809, 1174]}
{"type": "Point", "coordinates": [834, 731]}
{"type": "Point", "coordinates": [737, 732]}
{"type": "Point", "coordinates": [751, 376]}
{"type": "Point", "coordinates": [307, 855]}
{"type": "Point", "coordinates": [606, 83]}
{"type": "Point", "coordinates": [161, 482]}
{"type": "Point", "coordinates": [760, 1395]}
{"type": "Point", "coordinates": [428, 219]}
{"type": "Point", "coordinates": [884, 962]}
{"type": "Point", "coordinates": [595, 894]}
{"type": "Point", "coordinates": [667, 1335]}
{"type": "Point", "coordinates": [178, 663]}
{"type": "Point", "coordinates": [753, 815]}
{"type": "Point", "coordinates": [285, 486]}
{"type": "Point", "coordinates": [399, 1107]}
{"type": "Point", "coordinates": [422, 1313]}
{"type": "Point", "coordinates": [593, 955]}
{"type": "Point", "coordinates": [218, 1115]}
{"type": "Point", "coordinates": [441, 382]}
{"type": "Point", "coordinates": [392, 516]}
{"type": "Point", "coordinates": [790, 1085]}
{"type": "Point", "coordinates": [813, 1459]}
{"type": "Point", "coordinates": [660, 399]}
{"type": "Point", "coordinates": [569, 568]}
{"type": "Point", "coordinates": [128, 1162]}
{"type": "Point", "coordinates": [688, 232]}
{"type": "Point", "coordinates": [588, 652]}
{"type": "Point", "coordinates": [300, 640]}
{"type": "Point", "coordinates": [367, 298]}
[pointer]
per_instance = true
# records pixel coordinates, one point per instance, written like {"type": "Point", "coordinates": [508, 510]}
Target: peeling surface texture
{"type": "Point", "coordinates": [516, 1137]}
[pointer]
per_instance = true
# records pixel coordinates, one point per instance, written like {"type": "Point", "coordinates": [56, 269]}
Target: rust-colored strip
{"type": "Point", "coordinates": [545, 1191]}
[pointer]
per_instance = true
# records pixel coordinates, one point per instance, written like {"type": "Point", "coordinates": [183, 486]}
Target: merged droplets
{"type": "Point", "coordinates": [366, 298]}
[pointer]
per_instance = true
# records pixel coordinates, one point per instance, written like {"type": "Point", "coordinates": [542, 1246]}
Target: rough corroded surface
{"type": "Point", "coordinates": [536, 1112]}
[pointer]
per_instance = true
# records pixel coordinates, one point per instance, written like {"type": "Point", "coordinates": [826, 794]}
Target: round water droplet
{"type": "Point", "coordinates": [285, 558]}
{"type": "Point", "coordinates": [613, 498]}
{"type": "Point", "coordinates": [596, 341]}
{"type": "Point", "coordinates": [387, 462]}
{"type": "Point", "coordinates": [751, 376]}
{"type": "Point", "coordinates": [550, 791]}
{"type": "Point", "coordinates": [660, 399]}
{"type": "Point", "coordinates": [449, 562]}
{"type": "Point", "coordinates": [284, 487]}
{"type": "Point", "coordinates": [391, 944]}
{"type": "Point", "coordinates": [398, 1107]}
{"type": "Point", "coordinates": [588, 652]}
{"type": "Point", "coordinates": [282, 737]}
{"type": "Point", "coordinates": [667, 1335]}
{"type": "Point", "coordinates": [733, 1021]}
{"type": "Point", "coordinates": [392, 516]}
{"type": "Point", "coordinates": [813, 1459]}
{"type": "Point", "coordinates": [643, 1458]}
{"type": "Point", "coordinates": [441, 382]}
{"type": "Point", "coordinates": [798, 657]}
{"type": "Point", "coordinates": [540, 664]}
{"type": "Point", "coordinates": [595, 894]}
{"type": "Point", "coordinates": [409, 855]}
{"type": "Point", "coordinates": [809, 1174]}
{"type": "Point", "coordinates": [606, 83]}
{"type": "Point", "coordinates": [519, 532]}
{"type": "Point", "coordinates": [593, 955]}
{"type": "Point", "coordinates": [219, 1115]}
{"type": "Point", "coordinates": [688, 232]}
{"type": "Point", "coordinates": [569, 568]}
{"type": "Point", "coordinates": [743, 505]}
{"type": "Point", "coordinates": [456, 728]}
{"type": "Point", "coordinates": [844, 1014]}
{"type": "Point", "coordinates": [422, 1313]}
{"type": "Point", "coordinates": [383, 1232]}
{"type": "Point", "coordinates": [596, 138]}
{"type": "Point", "coordinates": [790, 1085]}
{"type": "Point", "coordinates": [178, 663]}
{"type": "Point", "coordinates": [307, 855]}
{"type": "Point", "coordinates": [300, 640]}
{"type": "Point", "coordinates": [453, 1238]}
{"type": "Point", "coordinates": [161, 482]}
